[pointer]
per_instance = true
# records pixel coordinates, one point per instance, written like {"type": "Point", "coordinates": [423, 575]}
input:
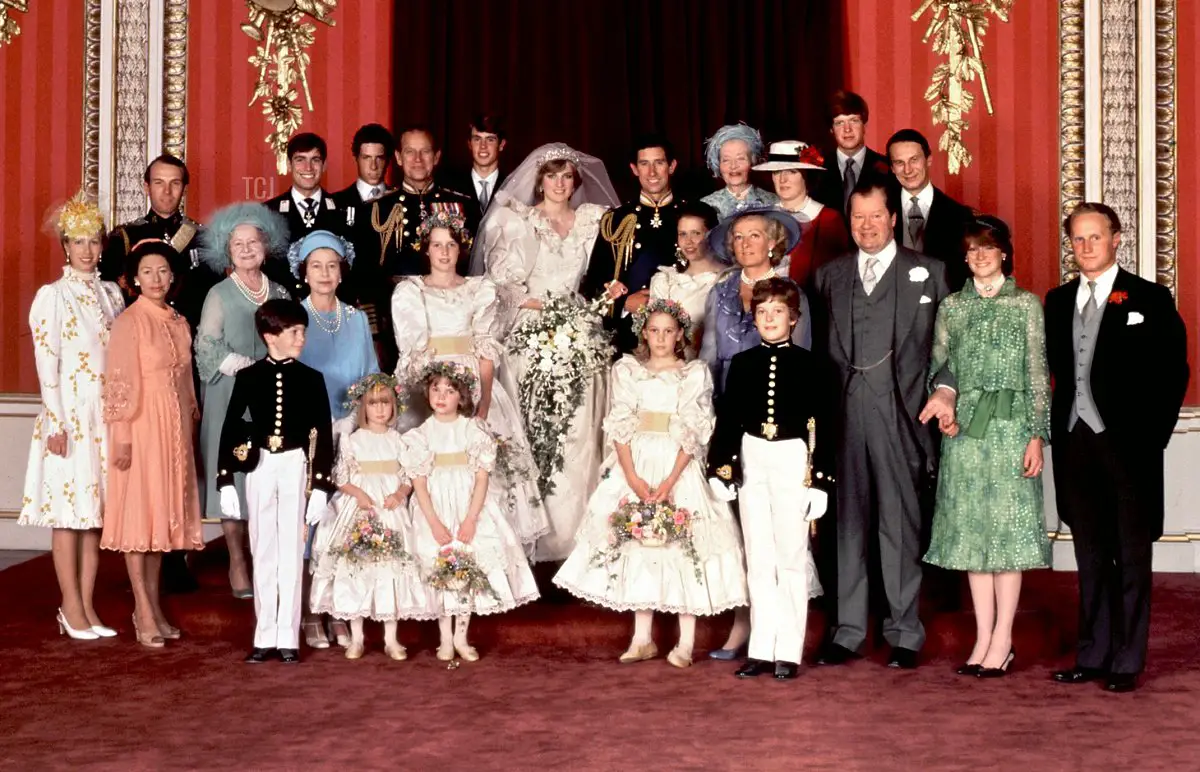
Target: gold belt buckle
{"type": "Point", "coordinates": [275, 442]}
{"type": "Point", "coordinates": [769, 430]}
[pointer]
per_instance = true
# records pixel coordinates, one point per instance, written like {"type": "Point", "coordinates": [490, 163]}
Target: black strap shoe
{"type": "Point", "coordinates": [754, 667]}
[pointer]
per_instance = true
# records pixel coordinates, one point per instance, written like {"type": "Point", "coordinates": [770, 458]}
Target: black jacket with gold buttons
{"type": "Point", "coordinates": [288, 409]}
{"type": "Point", "coordinates": [771, 392]}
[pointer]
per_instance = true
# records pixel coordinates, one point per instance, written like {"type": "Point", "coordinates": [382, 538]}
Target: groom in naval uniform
{"type": "Point", "coordinates": [875, 324]}
{"type": "Point", "coordinates": [636, 239]}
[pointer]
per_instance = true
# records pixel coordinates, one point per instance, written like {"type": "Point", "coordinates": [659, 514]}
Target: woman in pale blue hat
{"type": "Point", "coordinates": [731, 153]}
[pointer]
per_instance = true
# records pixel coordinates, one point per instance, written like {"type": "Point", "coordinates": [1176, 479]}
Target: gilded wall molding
{"type": "Point", "coordinates": [1166, 210]}
{"type": "Point", "coordinates": [1071, 115]}
{"type": "Point", "coordinates": [175, 29]}
{"type": "Point", "coordinates": [130, 119]}
{"type": "Point", "coordinates": [91, 99]}
{"type": "Point", "coordinates": [1119, 115]}
{"type": "Point", "coordinates": [9, 28]}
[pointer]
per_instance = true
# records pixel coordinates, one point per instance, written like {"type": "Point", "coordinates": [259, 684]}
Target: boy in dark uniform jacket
{"type": "Point", "coordinates": [766, 422]}
{"type": "Point", "coordinates": [286, 451]}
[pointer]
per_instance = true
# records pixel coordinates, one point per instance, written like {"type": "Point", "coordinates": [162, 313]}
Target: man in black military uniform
{"type": "Point", "coordinates": [636, 238]}
{"type": "Point", "coordinates": [386, 238]}
{"type": "Point", "coordinates": [307, 207]}
{"type": "Point", "coordinates": [164, 182]}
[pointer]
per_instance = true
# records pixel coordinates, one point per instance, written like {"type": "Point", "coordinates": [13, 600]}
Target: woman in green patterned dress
{"type": "Point", "coordinates": [988, 520]}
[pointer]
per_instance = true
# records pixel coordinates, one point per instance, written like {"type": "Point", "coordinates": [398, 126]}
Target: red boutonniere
{"type": "Point", "coordinates": [1117, 298]}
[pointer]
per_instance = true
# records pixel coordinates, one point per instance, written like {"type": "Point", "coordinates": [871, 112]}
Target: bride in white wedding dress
{"type": "Point", "coordinates": [535, 242]}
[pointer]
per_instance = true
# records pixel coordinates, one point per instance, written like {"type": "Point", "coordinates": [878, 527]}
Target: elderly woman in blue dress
{"type": "Point", "coordinates": [338, 345]}
{"type": "Point", "coordinates": [241, 236]}
{"type": "Point", "coordinates": [730, 154]}
{"type": "Point", "coordinates": [757, 241]}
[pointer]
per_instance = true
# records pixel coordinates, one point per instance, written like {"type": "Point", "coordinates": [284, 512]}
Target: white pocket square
{"type": "Point", "coordinates": [926, 299]}
{"type": "Point", "coordinates": [1135, 318]}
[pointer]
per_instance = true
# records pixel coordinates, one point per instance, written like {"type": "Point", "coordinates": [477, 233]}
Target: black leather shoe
{"type": "Point", "coordinates": [786, 671]}
{"type": "Point", "coordinates": [1121, 682]}
{"type": "Point", "coordinates": [905, 659]}
{"type": "Point", "coordinates": [969, 669]}
{"type": "Point", "coordinates": [289, 656]}
{"type": "Point", "coordinates": [1078, 675]}
{"type": "Point", "coordinates": [999, 672]}
{"type": "Point", "coordinates": [754, 667]}
{"type": "Point", "coordinates": [835, 654]}
{"type": "Point", "coordinates": [258, 656]}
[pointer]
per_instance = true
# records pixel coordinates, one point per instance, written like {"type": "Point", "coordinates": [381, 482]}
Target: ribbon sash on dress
{"type": "Point", "coordinates": [649, 421]}
{"type": "Point", "coordinates": [450, 459]}
{"type": "Point", "coordinates": [993, 404]}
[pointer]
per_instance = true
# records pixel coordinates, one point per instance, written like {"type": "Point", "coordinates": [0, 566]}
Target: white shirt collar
{"type": "Point", "coordinates": [924, 200]}
{"type": "Point", "coordinates": [491, 179]}
{"type": "Point", "coordinates": [885, 257]}
{"type": "Point", "coordinates": [1104, 285]}
{"type": "Point", "coordinates": [300, 199]}
{"type": "Point", "coordinates": [811, 208]}
{"type": "Point", "coordinates": [860, 158]}
{"type": "Point", "coordinates": [365, 188]}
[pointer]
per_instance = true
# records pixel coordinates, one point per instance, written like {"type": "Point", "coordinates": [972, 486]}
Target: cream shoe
{"type": "Point", "coordinates": [680, 658]}
{"type": "Point", "coordinates": [638, 652]}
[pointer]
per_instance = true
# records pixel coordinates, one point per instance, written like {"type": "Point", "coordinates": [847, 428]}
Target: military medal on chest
{"type": "Point", "coordinates": [656, 221]}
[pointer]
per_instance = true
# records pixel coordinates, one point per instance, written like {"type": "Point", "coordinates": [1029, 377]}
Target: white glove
{"type": "Point", "coordinates": [318, 507]}
{"type": "Point", "coordinates": [234, 362]}
{"type": "Point", "coordinates": [230, 506]}
{"type": "Point", "coordinates": [818, 502]}
{"type": "Point", "coordinates": [721, 491]}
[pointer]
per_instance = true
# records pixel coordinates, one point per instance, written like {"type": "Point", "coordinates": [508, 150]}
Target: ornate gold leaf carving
{"type": "Point", "coordinates": [1165, 163]}
{"type": "Point", "coordinates": [8, 25]}
{"type": "Point", "coordinates": [282, 29]}
{"type": "Point", "coordinates": [1070, 95]}
{"type": "Point", "coordinates": [175, 28]}
{"type": "Point", "coordinates": [956, 29]}
{"type": "Point", "coordinates": [91, 102]}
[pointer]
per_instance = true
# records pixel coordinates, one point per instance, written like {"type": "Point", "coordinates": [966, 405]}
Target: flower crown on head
{"type": "Point", "coordinates": [556, 154]}
{"type": "Point", "coordinates": [79, 218]}
{"type": "Point", "coordinates": [455, 373]}
{"type": "Point", "coordinates": [451, 221]}
{"type": "Point", "coordinates": [662, 306]}
{"type": "Point", "coordinates": [367, 384]}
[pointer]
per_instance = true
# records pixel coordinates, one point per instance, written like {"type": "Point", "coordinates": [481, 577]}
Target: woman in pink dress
{"type": "Point", "coordinates": [152, 504]}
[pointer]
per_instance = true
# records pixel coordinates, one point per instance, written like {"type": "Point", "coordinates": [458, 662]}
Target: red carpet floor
{"type": "Point", "coordinates": [548, 695]}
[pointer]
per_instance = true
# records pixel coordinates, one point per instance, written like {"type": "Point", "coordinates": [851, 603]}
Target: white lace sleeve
{"type": "Point", "coordinates": [622, 421]}
{"type": "Point", "coordinates": [346, 469]}
{"type": "Point", "coordinates": [481, 447]}
{"type": "Point", "coordinates": [416, 459]}
{"type": "Point", "coordinates": [484, 305]}
{"type": "Point", "coordinates": [411, 329]}
{"type": "Point", "coordinates": [509, 250]}
{"type": "Point", "coordinates": [694, 425]}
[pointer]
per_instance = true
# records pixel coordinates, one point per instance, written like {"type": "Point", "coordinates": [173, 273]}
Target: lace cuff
{"type": "Point", "coordinates": [481, 449]}
{"type": "Point", "coordinates": [211, 352]}
{"type": "Point", "coordinates": [487, 347]}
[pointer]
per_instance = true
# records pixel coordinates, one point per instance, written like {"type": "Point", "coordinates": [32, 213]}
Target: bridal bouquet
{"type": "Point", "coordinates": [371, 541]}
{"type": "Point", "coordinates": [511, 467]}
{"type": "Point", "coordinates": [456, 570]}
{"type": "Point", "coordinates": [566, 345]}
{"type": "Point", "coordinates": [650, 525]}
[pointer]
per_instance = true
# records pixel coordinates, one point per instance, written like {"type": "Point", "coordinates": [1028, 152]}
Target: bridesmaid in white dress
{"type": "Point", "coordinates": [442, 316]}
{"type": "Point", "coordinates": [689, 281]}
{"type": "Point", "coordinates": [536, 241]}
{"type": "Point", "coordinates": [64, 482]}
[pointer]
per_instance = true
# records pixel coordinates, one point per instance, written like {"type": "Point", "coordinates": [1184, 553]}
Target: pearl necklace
{"type": "Point", "coordinates": [256, 297]}
{"type": "Point", "coordinates": [316, 316]}
{"type": "Point", "coordinates": [770, 274]}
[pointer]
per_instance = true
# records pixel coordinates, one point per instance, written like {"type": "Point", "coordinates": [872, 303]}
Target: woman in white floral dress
{"type": "Point", "coordinates": [64, 482]}
{"type": "Point", "coordinates": [442, 316]}
{"type": "Point", "coordinates": [536, 242]}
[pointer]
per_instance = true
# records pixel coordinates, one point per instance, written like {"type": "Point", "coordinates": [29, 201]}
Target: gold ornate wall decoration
{"type": "Point", "coordinates": [175, 28]}
{"type": "Point", "coordinates": [1166, 210]}
{"type": "Point", "coordinates": [9, 28]}
{"type": "Point", "coordinates": [91, 100]}
{"type": "Point", "coordinates": [282, 29]}
{"type": "Point", "coordinates": [1071, 119]}
{"type": "Point", "coordinates": [956, 28]}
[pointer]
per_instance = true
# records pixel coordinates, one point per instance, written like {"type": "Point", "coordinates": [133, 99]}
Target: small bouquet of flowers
{"type": "Point", "coordinates": [370, 541]}
{"type": "Point", "coordinates": [566, 345]}
{"type": "Point", "coordinates": [657, 524]}
{"type": "Point", "coordinates": [456, 570]}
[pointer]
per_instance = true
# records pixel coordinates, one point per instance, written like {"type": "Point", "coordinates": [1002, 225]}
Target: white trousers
{"type": "Point", "coordinates": [275, 499]}
{"type": "Point", "coordinates": [771, 503]}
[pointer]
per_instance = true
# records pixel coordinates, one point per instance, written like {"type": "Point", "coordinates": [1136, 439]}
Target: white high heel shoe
{"type": "Point", "coordinates": [64, 628]}
{"type": "Point", "coordinates": [104, 632]}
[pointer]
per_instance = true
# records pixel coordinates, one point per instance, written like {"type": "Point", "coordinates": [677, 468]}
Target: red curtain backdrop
{"type": "Point", "coordinates": [41, 152]}
{"type": "Point", "coordinates": [595, 73]}
{"type": "Point", "coordinates": [1015, 172]}
{"type": "Point", "coordinates": [1187, 186]}
{"type": "Point", "coordinates": [351, 83]}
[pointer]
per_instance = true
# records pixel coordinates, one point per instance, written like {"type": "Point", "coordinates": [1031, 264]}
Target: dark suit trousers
{"type": "Point", "coordinates": [1096, 496]}
{"type": "Point", "coordinates": [877, 498]}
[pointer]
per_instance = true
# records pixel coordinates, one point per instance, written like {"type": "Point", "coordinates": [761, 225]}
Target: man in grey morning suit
{"type": "Point", "coordinates": [878, 307]}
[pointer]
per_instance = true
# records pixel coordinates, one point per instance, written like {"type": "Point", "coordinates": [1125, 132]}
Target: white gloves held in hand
{"type": "Point", "coordinates": [318, 507]}
{"type": "Point", "coordinates": [230, 506]}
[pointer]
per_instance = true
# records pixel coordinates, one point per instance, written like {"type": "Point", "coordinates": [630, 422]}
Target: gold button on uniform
{"type": "Point", "coordinates": [770, 402]}
{"type": "Point", "coordinates": [774, 358]}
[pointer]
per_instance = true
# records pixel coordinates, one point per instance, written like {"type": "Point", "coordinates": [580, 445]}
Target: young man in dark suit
{"type": "Point", "coordinates": [1117, 351]}
{"type": "Point", "coordinates": [486, 143]}
{"type": "Point", "coordinates": [930, 221]}
{"type": "Point", "coordinates": [372, 147]}
{"type": "Point", "coordinates": [851, 160]}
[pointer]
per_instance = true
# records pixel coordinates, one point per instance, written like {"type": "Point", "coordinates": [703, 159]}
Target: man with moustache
{"type": "Point", "coordinates": [851, 160]}
{"type": "Point", "coordinates": [387, 232]}
{"type": "Point", "coordinates": [486, 143]}
{"type": "Point", "coordinates": [874, 313]}
{"type": "Point", "coordinates": [636, 238]}
{"type": "Point", "coordinates": [1117, 351]}
{"type": "Point", "coordinates": [306, 206]}
{"type": "Point", "coordinates": [930, 221]}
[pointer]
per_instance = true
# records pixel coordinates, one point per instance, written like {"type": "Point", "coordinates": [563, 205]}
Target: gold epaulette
{"type": "Point", "coordinates": [620, 239]}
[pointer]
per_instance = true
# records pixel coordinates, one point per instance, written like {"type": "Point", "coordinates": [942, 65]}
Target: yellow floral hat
{"type": "Point", "coordinates": [79, 218]}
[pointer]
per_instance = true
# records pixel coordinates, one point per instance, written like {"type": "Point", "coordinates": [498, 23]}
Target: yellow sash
{"type": "Point", "coordinates": [450, 345]}
{"type": "Point", "coordinates": [654, 422]}
{"type": "Point", "coordinates": [388, 466]}
{"type": "Point", "coordinates": [450, 459]}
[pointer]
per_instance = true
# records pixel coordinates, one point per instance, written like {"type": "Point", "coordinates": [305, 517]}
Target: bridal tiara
{"type": "Point", "coordinates": [556, 154]}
